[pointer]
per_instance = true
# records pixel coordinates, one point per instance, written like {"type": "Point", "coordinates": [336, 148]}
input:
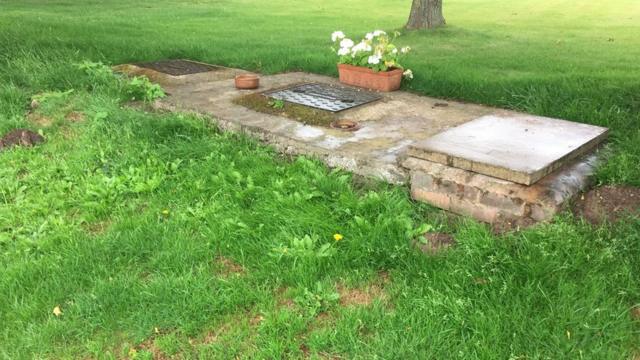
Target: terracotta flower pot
{"type": "Point", "coordinates": [247, 81]}
{"type": "Point", "coordinates": [367, 78]}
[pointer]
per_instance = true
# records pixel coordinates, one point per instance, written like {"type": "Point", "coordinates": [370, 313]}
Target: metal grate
{"type": "Point", "coordinates": [324, 96]}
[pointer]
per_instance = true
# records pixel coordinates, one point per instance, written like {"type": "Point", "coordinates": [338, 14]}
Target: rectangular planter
{"type": "Point", "coordinates": [369, 79]}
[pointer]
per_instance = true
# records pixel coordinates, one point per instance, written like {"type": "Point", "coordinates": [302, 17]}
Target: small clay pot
{"type": "Point", "coordinates": [247, 81]}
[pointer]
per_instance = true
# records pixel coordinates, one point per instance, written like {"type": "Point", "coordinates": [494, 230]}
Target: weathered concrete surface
{"type": "Point", "coordinates": [387, 144]}
{"type": "Point", "coordinates": [388, 126]}
{"type": "Point", "coordinates": [516, 147]}
{"type": "Point", "coordinates": [166, 80]}
{"type": "Point", "coordinates": [495, 200]}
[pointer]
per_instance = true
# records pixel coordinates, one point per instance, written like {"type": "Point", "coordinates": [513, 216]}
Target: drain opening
{"type": "Point", "coordinates": [324, 96]}
{"type": "Point", "coordinates": [346, 125]}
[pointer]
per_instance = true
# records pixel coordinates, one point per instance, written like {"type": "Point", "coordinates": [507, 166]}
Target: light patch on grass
{"type": "Point", "coordinates": [360, 296]}
{"type": "Point", "coordinates": [227, 267]}
{"type": "Point", "coordinates": [75, 116]}
{"type": "Point", "coordinates": [39, 119]}
{"type": "Point", "coordinates": [97, 228]}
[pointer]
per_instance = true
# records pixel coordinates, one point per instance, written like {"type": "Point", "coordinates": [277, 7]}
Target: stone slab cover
{"type": "Point", "coordinates": [518, 148]}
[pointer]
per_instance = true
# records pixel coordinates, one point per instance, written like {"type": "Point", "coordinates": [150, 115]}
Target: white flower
{"type": "Point", "coordinates": [394, 51]}
{"type": "Point", "coordinates": [405, 49]}
{"type": "Point", "coordinates": [361, 46]}
{"type": "Point", "coordinates": [346, 43]}
{"type": "Point", "coordinates": [369, 36]}
{"type": "Point", "coordinates": [374, 60]}
{"type": "Point", "coordinates": [337, 35]}
{"type": "Point", "coordinates": [408, 74]}
{"type": "Point", "coordinates": [344, 51]}
{"type": "Point", "coordinates": [379, 32]}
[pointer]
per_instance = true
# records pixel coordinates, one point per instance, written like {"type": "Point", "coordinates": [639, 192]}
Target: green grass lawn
{"type": "Point", "coordinates": [157, 235]}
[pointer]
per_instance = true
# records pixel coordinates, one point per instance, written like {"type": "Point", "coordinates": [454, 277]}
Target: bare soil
{"type": "Point", "coordinates": [608, 204]}
{"type": "Point", "coordinates": [360, 296]}
{"type": "Point", "coordinates": [75, 116]}
{"type": "Point", "coordinates": [20, 137]}
{"type": "Point", "coordinates": [304, 114]}
{"type": "Point", "coordinates": [178, 67]}
{"type": "Point", "coordinates": [39, 119]}
{"type": "Point", "coordinates": [228, 267]}
{"type": "Point", "coordinates": [505, 225]}
{"type": "Point", "coordinates": [434, 243]}
{"type": "Point", "coordinates": [97, 228]}
{"type": "Point", "coordinates": [635, 313]}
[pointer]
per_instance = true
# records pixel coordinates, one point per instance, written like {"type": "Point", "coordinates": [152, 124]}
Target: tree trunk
{"type": "Point", "coordinates": [425, 14]}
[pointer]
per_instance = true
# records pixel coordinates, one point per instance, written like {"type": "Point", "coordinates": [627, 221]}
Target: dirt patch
{"type": "Point", "coordinates": [228, 267]}
{"type": "Point", "coordinates": [178, 67]}
{"type": "Point", "coordinates": [39, 119]}
{"type": "Point", "coordinates": [360, 297]}
{"type": "Point", "coordinates": [212, 336]}
{"type": "Point", "coordinates": [608, 204]}
{"type": "Point", "coordinates": [434, 243]}
{"type": "Point", "coordinates": [75, 116]}
{"type": "Point", "coordinates": [150, 346]}
{"type": "Point", "coordinates": [307, 354]}
{"type": "Point", "coordinates": [505, 225]}
{"type": "Point", "coordinates": [20, 137]}
{"type": "Point", "coordinates": [227, 329]}
{"type": "Point", "coordinates": [635, 313]}
{"type": "Point", "coordinates": [256, 320]}
{"type": "Point", "coordinates": [97, 228]}
{"type": "Point", "coordinates": [384, 277]}
{"type": "Point", "coordinates": [283, 300]}
{"type": "Point", "coordinates": [304, 114]}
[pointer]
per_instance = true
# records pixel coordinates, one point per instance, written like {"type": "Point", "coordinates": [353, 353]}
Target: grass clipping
{"type": "Point", "coordinates": [304, 114]}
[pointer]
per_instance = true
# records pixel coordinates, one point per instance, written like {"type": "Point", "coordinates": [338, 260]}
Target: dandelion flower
{"type": "Point", "coordinates": [338, 237]}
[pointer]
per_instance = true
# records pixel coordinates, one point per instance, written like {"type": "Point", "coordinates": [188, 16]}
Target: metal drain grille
{"type": "Point", "coordinates": [325, 97]}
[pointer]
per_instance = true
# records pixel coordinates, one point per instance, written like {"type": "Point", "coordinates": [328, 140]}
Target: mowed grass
{"type": "Point", "coordinates": [158, 236]}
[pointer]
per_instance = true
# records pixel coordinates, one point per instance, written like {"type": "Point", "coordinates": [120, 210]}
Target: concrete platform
{"type": "Point", "coordinates": [398, 141]}
{"type": "Point", "coordinates": [519, 148]}
{"type": "Point", "coordinates": [387, 126]}
{"type": "Point", "coordinates": [165, 80]}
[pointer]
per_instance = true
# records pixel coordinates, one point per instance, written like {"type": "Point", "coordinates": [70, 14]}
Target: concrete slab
{"type": "Point", "coordinates": [376, 149]}
{"type": "Point", "coordinates": [515, 147]}
{"type": "Point", "coordinates": [408, 137]}
{"type": "Point", "coordinates": [164, 79]}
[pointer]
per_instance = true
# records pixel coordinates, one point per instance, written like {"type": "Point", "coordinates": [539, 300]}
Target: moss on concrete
{"type": "Point", "coordinates": [304, 114]}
